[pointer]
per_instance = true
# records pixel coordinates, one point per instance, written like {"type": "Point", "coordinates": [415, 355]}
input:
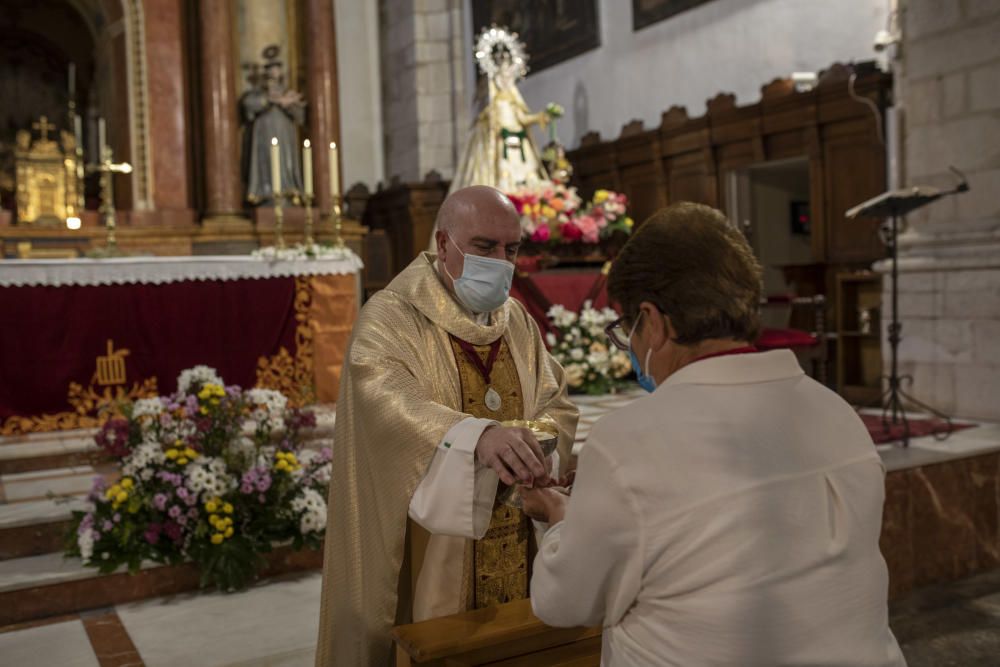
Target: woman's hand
{"type": "Point", "coordinates": [547, 505]}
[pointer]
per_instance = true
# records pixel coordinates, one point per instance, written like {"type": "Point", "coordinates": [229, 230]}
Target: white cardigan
{"type": "Point", "coordinates": [730, 518]}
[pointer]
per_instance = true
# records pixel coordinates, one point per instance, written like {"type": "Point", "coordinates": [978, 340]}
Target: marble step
{"type": "Point", "coordinates": [42, 451]}
{"type": "Point", "coordinates": [46, 585]}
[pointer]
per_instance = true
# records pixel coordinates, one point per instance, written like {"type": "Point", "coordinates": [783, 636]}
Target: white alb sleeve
{"type": "Point", "coordinates": [456, 495]}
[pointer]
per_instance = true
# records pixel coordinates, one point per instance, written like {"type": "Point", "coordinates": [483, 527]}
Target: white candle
{"type": "Point", "coordinates": [275, 167]}
{"type": "Point", "coordinates": [78, 131]}
{"type": "Point", "coordinates": [307, 167]}
{"type": "Point", "coordinates": [334, 171]}
{"type": "Point", "coordinates": [102, 138]}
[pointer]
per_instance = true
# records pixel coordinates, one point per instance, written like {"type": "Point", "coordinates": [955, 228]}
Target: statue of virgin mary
{"type": "Point", "coordinates": [501, 152]}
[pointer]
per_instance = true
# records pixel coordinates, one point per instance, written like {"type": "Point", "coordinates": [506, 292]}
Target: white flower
{"type": "Point", "coordinates": [551, 339]}
{"type": "Point", "coordinates": [576, 354]}
{"type": "Point", "coordinates": [143, 461]}
{"type": "Point", "coordinates": [207, 477]}
{"type": "Point", "coordinates": [313, 508]}
{"type": "Point", "coordinates": [85, 540]}
{"type": "Point", "coordinates": [197, 376]}
{"type": "Point", "coordinates": [270, 404]}
{"type": "Point", "coordinates": [147, 407]}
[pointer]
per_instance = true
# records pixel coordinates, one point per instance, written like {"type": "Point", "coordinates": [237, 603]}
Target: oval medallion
{"type": "Point", "coordinates": [492, 400]}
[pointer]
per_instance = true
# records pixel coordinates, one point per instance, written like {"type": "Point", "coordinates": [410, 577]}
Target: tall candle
{"type": "Point", "coordinates": [334, 171]}
{"type": "Point", "coordinates": [78, 130]}
{"type": "Point", "coordinates": [102, 139]}
{"type": "Point", "coordinates": [275, 167]}
{"type": "Point", "coordinates": [307, 167]}
{"type": "Point", "coordinates": [72, 81]}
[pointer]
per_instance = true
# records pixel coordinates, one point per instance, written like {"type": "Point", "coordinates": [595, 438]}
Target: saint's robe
{"type": "Point", "coordinates": [401, 399]}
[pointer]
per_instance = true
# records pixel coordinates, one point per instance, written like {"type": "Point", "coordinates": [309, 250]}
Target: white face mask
{"type": "Point", "coordinates": [485, 282]}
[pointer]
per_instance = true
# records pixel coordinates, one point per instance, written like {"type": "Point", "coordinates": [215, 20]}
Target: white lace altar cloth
{"type": "Point", "coordinates": [161, 270]}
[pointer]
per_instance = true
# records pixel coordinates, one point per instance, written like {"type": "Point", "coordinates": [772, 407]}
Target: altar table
{"type": "Point", "coordinates": [78, 335]}
{"type": "Point", "coordinates": [563, 287]}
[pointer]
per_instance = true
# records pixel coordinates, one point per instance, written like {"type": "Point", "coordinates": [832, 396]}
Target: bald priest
{"type": "Point", "coordinates": [436, 362]}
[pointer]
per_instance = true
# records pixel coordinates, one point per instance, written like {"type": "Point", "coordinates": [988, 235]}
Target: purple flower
{"type": "Point", "coordinates": [152, 533]}
{"type": "Point", "coordinates": [191, 500]}
{"type": "Point", "coordinates": [174, 511]}
{"type": "Point", "coordinates": [183, 493]}
{"type": "Point", "coordinates": [191, 406]}
{"type": "Point", "coordinates": [182, 520]}
{"type": "Point", "coordinates": [117, 517]}
{"type": "Point", "coordinates": [193, 513]}
{"type": "Point", "coordinates": [172, 530]}
{"type": "Point", "coordinates": [160, 501]}
{"type": "Point", "coordinates": [86, 523]}
{"type": "Point", "coordinates": [107, 526]}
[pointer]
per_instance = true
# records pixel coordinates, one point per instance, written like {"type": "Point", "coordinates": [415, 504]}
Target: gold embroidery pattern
{"type": "Point", "coordinates": [293, 376]}
{"type": "Point", "coordinates": [500, 560]}
{"type": "Point", "coordinates": [91, 405]}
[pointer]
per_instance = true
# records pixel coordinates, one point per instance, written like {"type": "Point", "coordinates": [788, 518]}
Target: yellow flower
{"type": "Point", "coordinates": [281, 465]}
{"type": "Point", "coordinates": [601, 196]}
{"type": "Point", "coordinates": [229, 532]}
{"type": "Point", "coordinates": [629, 222]}
{"type": "Point", "coordinates": [548, 211]}
{"type": "Point", "coordinates": [133, 509]}
{"type": "Point", "coordinates": [127, 483]}
{"type": "Point", "coordinates": [190, 453]}
{"type": "Point", "coordinates": [227, 508]}
{"type": "Point", "coordinates": [172, 454]}
{"type": "Point", "coordinates": [112, 492]}
{"type": "Point", "coordinates": [217, 538]}
{"type": "Point", "coordinates": [182, 461]}
{"type": "Point", "coordinates": [211, 506]}
{"type": "Point", "coordinates": [121, 497]}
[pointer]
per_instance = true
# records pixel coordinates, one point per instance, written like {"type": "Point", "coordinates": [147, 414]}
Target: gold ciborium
{"type": "Point", "coordinates": [547, 434]}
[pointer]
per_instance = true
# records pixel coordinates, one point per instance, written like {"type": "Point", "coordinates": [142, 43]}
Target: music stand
{"type": "Point", "coordinates": [893, 205]}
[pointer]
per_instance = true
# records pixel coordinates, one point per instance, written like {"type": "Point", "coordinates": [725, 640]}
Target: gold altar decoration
{"type": "Point", "coordinates": [48, 179]}
{"type": "Point", "coordinates": [107, 168]}
{"type": "Point", "coordinates": [107, 390]}
{"type": "Point", "coordinates": [293, 376]}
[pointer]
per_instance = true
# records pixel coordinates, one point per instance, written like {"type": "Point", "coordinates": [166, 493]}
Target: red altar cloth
{"type": "Point", "coordinates": [71, 351]}
{"type": "Point", "coordinates": [565, 287]}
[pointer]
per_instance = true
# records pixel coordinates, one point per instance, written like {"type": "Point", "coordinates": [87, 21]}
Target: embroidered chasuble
{"type": "Point", "coordinates": [406, 382]}
{"type": "Point", "coordinates": [499, 567]}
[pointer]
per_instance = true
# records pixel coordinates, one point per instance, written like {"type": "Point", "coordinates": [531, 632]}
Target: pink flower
{"type": "Point", "coordinates": [160, 501]}
{"type": "Point", "coordinates": [172, 530]}
{"type": "Point", "coordinates": [152, 533]}
{"type": "Point", "coordinates": [590, 229]}
{"type": "Point", "coordinates": [542, 234]}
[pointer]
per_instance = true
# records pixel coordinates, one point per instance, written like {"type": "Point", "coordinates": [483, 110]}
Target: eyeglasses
{"type": "Point", "coordinates": [617, 334]}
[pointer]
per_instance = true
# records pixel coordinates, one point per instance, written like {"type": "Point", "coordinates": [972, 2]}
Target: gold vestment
{"type": "Point", "coordinates": [400, 394]}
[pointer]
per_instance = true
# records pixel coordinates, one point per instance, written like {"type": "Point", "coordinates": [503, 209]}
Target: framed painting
{"type": "Point", "coordinates": [552, 30]}
{"type": "Point", "coordinates": [647, 12]}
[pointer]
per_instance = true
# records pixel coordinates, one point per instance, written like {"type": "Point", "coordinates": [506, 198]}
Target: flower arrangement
{"type": "Point", "coordinates": [580, 346]}
{"type": "Point", "coordinates": [213, 474]}
{"type": "Point", "coordinates": [551, 214]}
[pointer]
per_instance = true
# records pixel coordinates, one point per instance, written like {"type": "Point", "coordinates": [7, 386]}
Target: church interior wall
{"type": "Point", "coordinates": [949, 103]}
{"type": "Point", "coordinates": [725, 45]}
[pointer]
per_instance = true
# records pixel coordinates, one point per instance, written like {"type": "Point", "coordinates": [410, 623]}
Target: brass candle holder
{"type": "Point", "coordinates": [279, 220]}
{"type": "Point", "coordinates": [107, 168]}
{"type": "Point", "coordinates": [335, 211]}
{"type": "Point", "coordinates": [307, 200]}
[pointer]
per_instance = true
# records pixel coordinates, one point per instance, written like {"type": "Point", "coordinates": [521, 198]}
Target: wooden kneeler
{"type": "Point", "coordinates": [508, 635]}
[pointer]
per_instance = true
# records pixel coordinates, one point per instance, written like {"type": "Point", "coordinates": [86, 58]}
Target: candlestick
{"type": "Point", "coordinates": [307, 167]}
{"type": "Point", "coordinates": [102, 139]}
{"type": "Point", "coordinates": [78, 131]}
{"type": "Point", "coordinates": [275, 169]}
{"type": "Point", "coordinates": [72, 82]}
{"type": "Point", "coordinates": [334, 172]}
{"type": "Point", "coordinates": [308, 201]}
{"type": "Point", "coordinates": [335, 212]}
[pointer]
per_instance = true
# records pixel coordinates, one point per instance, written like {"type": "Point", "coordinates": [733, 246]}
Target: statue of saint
{"type": "Point", "coordinates": [501, 152]}
{"type": "Point", "coordinates": [271, 110]}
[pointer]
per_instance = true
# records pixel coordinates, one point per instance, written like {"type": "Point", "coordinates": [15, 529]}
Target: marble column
{"type": "Point", "coordinates": [223, 190]}
{"type": "Point", "coordinates": [324, 105]}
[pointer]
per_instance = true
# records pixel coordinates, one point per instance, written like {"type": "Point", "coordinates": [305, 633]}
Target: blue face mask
{"type": "Point", "coordinates": [485, 282]}
{"type": "Point", "coordinates": [646, 380]}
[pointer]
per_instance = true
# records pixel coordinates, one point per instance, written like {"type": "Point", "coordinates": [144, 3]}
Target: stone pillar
{"type": "Point", "coordinates": [223, 190]}
{"type": "Point", "coordinates": [424, 57]}
{"type": "Point", "coordinates": [324, 105]}
{"type": "Point", "coordinates": [949, 101]}
{"type": "Point", "coordinates": [167, 104]}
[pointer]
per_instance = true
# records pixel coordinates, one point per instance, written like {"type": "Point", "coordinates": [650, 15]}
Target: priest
{"type": "Point", "coordinates": [436, 362]}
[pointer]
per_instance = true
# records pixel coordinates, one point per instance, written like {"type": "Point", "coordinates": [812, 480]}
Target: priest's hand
{"type": "Point", "coordinates": [547, 505]}
{"type": "Point", "coordinates": [515, 455]}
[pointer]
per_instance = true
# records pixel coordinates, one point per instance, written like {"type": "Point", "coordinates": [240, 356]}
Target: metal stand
{"type": "Point", "coordinates": [308, 201]}
{"type": "Point", "coordinates": [279, 220]}
{"type": "Point", "coordinates": [337, 220]}
{"type": "Point", "coordinates": [893, 205]}
{"type": "Point", "coordinates": [893, 410]}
